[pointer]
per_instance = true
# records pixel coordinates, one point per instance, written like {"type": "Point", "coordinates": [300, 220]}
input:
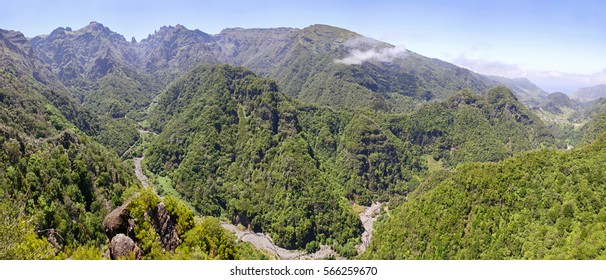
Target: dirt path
{"type": "Point", "coordinates": [139, 172]}
{"type": "Point", "coordinates": [368, 217]}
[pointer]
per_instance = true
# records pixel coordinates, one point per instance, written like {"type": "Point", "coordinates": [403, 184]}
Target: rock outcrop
{"type": "Point", "coordinates": [121, 246]}
{"type": "Point", "coordinates": [119, 229]}
{"type": "Point", "coordinates": [118, 222]}
{"type": "Point", "coordinates": [165, 227]}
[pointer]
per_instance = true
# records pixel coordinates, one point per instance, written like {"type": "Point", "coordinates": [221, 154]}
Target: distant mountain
{"type": "Point", "coordinates": [99, 65]}
{"type": "Point", "coordinates": [100, 68]}
{"type": "Point", "coordinates": [557, 101]}
{"type": "Point", "coordinates": [527, 91]}
{"type": "Point", "coordinates": [320, 64]}
{"type": "Point", "coordinates": [590, 93]}
{"type": "Point", "coordinates": [469, 127]}
{"type": "Point", "coordinates": [561, 99]}
{"type": "Point", "coordinates": [172, 51]}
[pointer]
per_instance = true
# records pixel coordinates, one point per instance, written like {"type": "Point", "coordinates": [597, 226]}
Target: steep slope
{"type": "Point", "coordinates": [595, 122]}
{"type": "Point", "coordinates": [172, 51]}
{"type": "Point", "coordinates": [233, 144]}
{"type": "Point", "coordinates": [99, 65]}
{"type": "Point", "coordinates": [56, 184]}
{"type": "Point", "coordinates": [25, 83]}
{"type": "Point", "coordinates": [257, 48]}
{"type": "Point", "coordinates": [320, 64]}
{"type": "Point", "coordinates": [358, 152]}
{"type": "Point", "coordinates": [540, 205]}
{"type": "Point", "coordinates": [469, 127]}
{"type": "Point", "coordinates": [100, 69]}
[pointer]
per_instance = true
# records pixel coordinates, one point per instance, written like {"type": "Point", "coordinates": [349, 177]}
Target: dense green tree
{"type": "Point", "coordinates": [539, 205]}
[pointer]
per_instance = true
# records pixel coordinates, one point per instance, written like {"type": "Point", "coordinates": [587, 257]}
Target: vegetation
{"type": "Point", "coordinates": [457, 159]}
{"type": "Point", "coordinates": [241, 154]}
{"type": "Point", "coordinates": [235, 147]}
{"type": "Point", "coordinates": [539, 205]}
{"type": "Point", "coordinates": [56, 183]}
{"type": "Point", "coordinates": [200, 238]}
{"type": "Point", "coordinates": [472, 128]}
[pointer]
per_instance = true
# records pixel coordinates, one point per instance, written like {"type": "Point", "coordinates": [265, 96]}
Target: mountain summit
{"type": "Point", "coordinates": [320, 64]}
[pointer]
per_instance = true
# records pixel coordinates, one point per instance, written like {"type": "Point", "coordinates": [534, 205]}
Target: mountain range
{"type": "Point", "coordinates": [319, 64]}
{"type": "Point", "coordinates": [284, 131]}
{"type": "Point", "coordinates": [590, 93]}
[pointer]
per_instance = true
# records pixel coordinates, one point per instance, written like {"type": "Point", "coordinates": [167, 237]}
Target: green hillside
{"type": "Point", "coordinates": [469, 127]}
{"type": "Point", "coordinates": [236, 147]}
{"type": "Point", "coordinates": [540, 205]}
{"type": "Point", "coordinates": [233, 146]}
{"type": "Point", "coordinates": [56, 183]}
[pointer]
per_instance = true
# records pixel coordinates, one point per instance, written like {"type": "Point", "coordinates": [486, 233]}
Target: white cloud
{"type": "Point", "coordinates": [362, 42]}
{"type": "Point", "coordinates": [365, 49]}
{"type": "Point", "coordinates": [494, 68]}
{"type": "Point", "coordinates": [552, 80]}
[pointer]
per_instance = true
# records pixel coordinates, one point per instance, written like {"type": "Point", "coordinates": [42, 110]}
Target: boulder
{"type": "Point", "coordinates": [117, 222]}
{"type": "Point", "coordinates": [122, 246]}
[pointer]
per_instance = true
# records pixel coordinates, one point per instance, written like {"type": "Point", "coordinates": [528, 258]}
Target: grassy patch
{"type": "Point", "coordinates": [432, 164]}
{"type": "Point", "coordinates": [358, 209]}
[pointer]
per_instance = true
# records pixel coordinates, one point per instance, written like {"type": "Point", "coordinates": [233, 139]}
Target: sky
{"type": "Point", "coordinates": [558, 45]}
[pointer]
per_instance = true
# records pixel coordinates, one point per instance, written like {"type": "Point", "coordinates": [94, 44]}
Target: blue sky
{"type": "Point", "coordinates": [559, 45]}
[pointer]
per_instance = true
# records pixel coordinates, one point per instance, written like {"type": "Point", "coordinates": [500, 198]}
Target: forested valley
{"type": "Point", "coordinates": [285, 137]}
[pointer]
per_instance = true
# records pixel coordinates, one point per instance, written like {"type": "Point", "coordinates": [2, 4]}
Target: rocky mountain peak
{"type": "Point", "coordinates": [15, 41]}
{"type": "Point", "coordinates": [93, 25]}
{"type": "Point", "coordinates": [178, 32]}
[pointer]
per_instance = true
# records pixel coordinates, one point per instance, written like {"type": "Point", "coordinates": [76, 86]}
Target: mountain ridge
{"type": "Point", "coordinates": [590, 93]}
{"type": "Point", "coordinates": [309, 63]}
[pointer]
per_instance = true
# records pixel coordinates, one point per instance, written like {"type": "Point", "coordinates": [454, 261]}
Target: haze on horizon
{"type": "Point", "coordinates": [557, 45]}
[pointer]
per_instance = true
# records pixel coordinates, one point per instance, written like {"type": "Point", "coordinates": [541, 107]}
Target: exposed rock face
{"type": "Point", "coordinates": [165, 227]}
{"type": "Point", "coordinates": [121, 246]}
{"type": "Point", "coordinates": [119, 228]}
{"type": "Point", "coordinates": [117, 222]}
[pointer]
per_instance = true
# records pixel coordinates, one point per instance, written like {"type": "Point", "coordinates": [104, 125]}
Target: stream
{"type": "Point", "coordinates": [264, 242]}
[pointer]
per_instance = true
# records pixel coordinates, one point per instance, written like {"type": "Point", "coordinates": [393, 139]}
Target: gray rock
{"type": "Point", "coordinates": [122, 246]}
{"type": "Point", "coordinates": [117, 222]}
{"type": "Point", "coordinates": [165, 227]}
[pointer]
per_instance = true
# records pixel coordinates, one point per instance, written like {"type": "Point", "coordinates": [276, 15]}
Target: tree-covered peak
{"type": "Point", "coordinates": [501, 94]}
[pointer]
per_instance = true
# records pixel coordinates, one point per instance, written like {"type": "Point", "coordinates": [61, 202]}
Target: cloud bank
{"type": "Point", "coordinates": [365, 49]}
{"type": "Point", "coordinates": [548, 80]}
